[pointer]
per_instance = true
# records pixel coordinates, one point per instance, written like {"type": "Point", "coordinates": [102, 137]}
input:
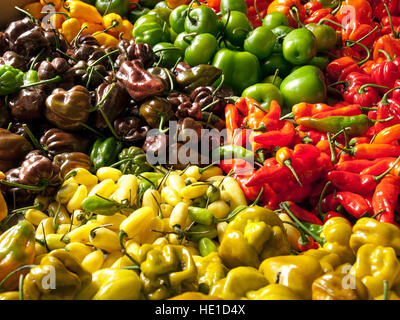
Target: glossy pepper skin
{"type": "Point", "coordinates": [236, 27]}
{"type": "Point", "coordinates": [70, 277]}
{"type": "Point", "coordinates": [112, 284]}
{"type": "Point", "coordinates": [238, 282]}
{"type": "Point", "coordinates": [105, 151]}
{"type": "Point", "coordinates": [240, 69]}
{"type": "Point", "coordinates": [198, 76]}
{"type": "Point", "coordinates": [255, 234]}
{"type": "Point", "coordinates": [166, 271]}
{"type": "Point", "coordinates": [56, 141]}
{"type": "Point", "coordinates": [17, 247]}
{"type": "Point", "coordinates": [264, 93]}
{"type": "Point", "coordinates": [375, 264]}
{"type": "Point", "coordinates": [202, 20]}
{"type": "Point", "coordinates": [136, 161]}
{"type": "Point", "coordinates": [13, 147]}
{"type": "Point", "coordinates": [306, 84]}
{"type": "Point", "coordinates": [371, 231]}
{"type": "Point", "coordinates": [151, 30]}
{"type": "Point", "coordinates": [295, 272]}
{"type": "Point", "coordinates": [68, 161]}
{"type": "Point", "coordinates": [210, 270]}
{"type": "Point", "coordinates": [299, 46]}
{"type": "Point", "coordinates": [156, 111]}
{"type": "Point", "coordinates": [120, 7]}
{"type": "Point", "coordinates": [65, 109]}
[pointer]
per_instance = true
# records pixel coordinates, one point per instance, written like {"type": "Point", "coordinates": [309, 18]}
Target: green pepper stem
{"type": "Point", "coordinates": [55, 79]}
{"type": "Point", "coordinates": [77, 37]}
{"type": "Point", "coordinates": [294, 13]}
{"type": "Point", "coordinates": [362, 90]}
{"type": "Point", "coordinates": [385, 283]}
{"type": "Point", "coordinates": [122, 235]}
{"type": "Point", "coordinates": [382, 120]}
{"type": "Point", "coordinates": [36, 59]}
{"type": "Point", "coordinates": [25, 12]}
{"type": "Point", "coordinates": [331, 21]}
{"type": "Point", "coordinates": [286, 207]}
{"type": "Point", "coordinates": [210, 105]}
{"type": "Point", "coordinates": [378, 213]}
{"type": "Point", "coordinates": [332, 148]}
{"type": "Point", "coordinates": [257, 11]}
{"type": "Point", "coordinates": [385, 97]}
{"type": "Point", "coordinates": [388, 57]}
{"type": "Point", "coordinates": [381, 176]}
{"type": "Point", "coordinates": [97, 133]}
{"type": "Point", "coordinates": [43, 185]}
{"type": "Point", "coordinates": [352, 43]}
{"type": "Point", "coordinates": [102, 99]}
{"type": "Point", "coordinates": [113, 25]}
{"type": "Point", "coordinates": [290, 115]}
{"type": "Point", "coordinates": [219, 86]}
{"type": "Point", "coordinates": [394, 32]}
{"type": "Point", "coordinates": [258, 197]}
{"type": "Point", "coordinates": [288, 163]}
{"type": "Point", "coordinates": [32, 137]}
{"type": "Point", "coordinates": [160, 128]}
{"type": "Point", "coordinates": [109, 125]}
{"type": "Point", "coordinates": [8, 276]}
{"type": "Point", "coordinates": [321, 197]}
{"type": "Point", "coordinates": [167, 49]}
{"type": "Point", "coordinates": [103, 57]}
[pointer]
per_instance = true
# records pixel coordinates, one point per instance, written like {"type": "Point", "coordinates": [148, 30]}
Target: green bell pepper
{"type": "Point", "coordinates": [162, 13]}
{"type": "Point", "coordinates": [183, 40]}
{"type": "Point", "coordinates": [264, 93]}
{"type": "Point", "coordinates": [236, 27]}
{"type": "Point", "coordinates": [273, 62]}
{"type": "Point", "coordinates": [11, 80]}
{"type": "Point", "coordinates": [202, 20]}
{"type": "Point", "coordinates": [168, 54]}
{"type": "Point", "coordinates": [177, 18]}
{"type": "Point", "coordinates": [324, 34]}
{"type": "Point", "coordinates": [133, 161]}
{"type": "Point", "coordinates": [275, 19]}
{"type": "Point", "coordinates": [120, 7]}
{"type": "Point", "coordinates": [299, 46]}
{"type": "Point", "coordinates": [233, 5]}
{"type": "Point", "coordinates": [260, 42]}
{"type": "Point", "coordinates": [104, 152]}
{"type": "Point", "coordinates": [136, 13]}
{"type": "Point", "coordinates": [201, 49]}
{"type": "Point", "coordinates": [306, 84]}
{"type": "Point", "coordinates": [240, 69]}
{"type": "Point", "coordinates": [151, 30]}
{"type": "Point", "coordinates": [280, 32]}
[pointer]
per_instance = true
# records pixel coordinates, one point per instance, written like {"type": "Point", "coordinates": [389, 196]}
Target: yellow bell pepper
{"type": "Point", "coordinates": [35, 9]}
{"type": "Point", "coordinates": [81, 10]}
{"type": "Point", "coordinates": [337, 285]}
{"type": "Point", "coordinates": [62, 275]}
{"type": "Point", "coordinates": [295, 272]}
{"type": "Point", "coordinates": [167, 271]}
{"type": "Point", "coordinates": [255, 234]}
{"type": "Point", "coordinates": [337, 232]}
{"type": "Point", "coordinates": [70, 29]}
{"type": "Point", "coordinates": [272, 292]}
{"type": "Point", "coordinates": [112, 284]}
{"type": "Point", "coordinates": [368, 230]}
{"type": "Point", "coordinates": [210, 270]}
{"type": "Point", "coordinates": [375, 264]}
{"type": "Point", "coordinates": [238, 282]}
{"type": "Point", "coordinates": [329, 261]}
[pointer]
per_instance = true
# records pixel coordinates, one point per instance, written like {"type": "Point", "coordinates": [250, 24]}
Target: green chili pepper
{"type": "Point", "coordinates": [275, 19]}
{"type": "Point", "coordinates": [151, 30]}
{"type": "Point", "coordinates": [264, 94]}
{"type": "Point", "coordinates": [200, 231]}
{"type": "Point", "coordinates": [233, 5]}
{"type": "Point", "coordinates": [236, 27]}
{"type": "Point", "coordinates": [201, 49]}
{"type": "Point", "coordinates": [207, 246]}
{"type": "Point", "coordinates": [232, 152]}
{"type": "Point", "coordinates": [213, 194]}
{"type": "Point", "coordinates": [168, 54]}
{"type": "Point", "coordinates": [177, 18]}
{"type": "Point", "coordinates": [202, 20]}
{"type": "Point", "coordinates": [201, 215]}
{"type": "Point", "coordinates": [99, 205]}
{"type": "Point", "coordinates": [11, 80]}
{"type": "Point", "coordinates": [149, 180]}
{"type": "Point", "coordinates": [105, 151]}
{"type": "Point", "coordinates": [354, 125]}
{"type": "Point", "coordinates": [30, 77]}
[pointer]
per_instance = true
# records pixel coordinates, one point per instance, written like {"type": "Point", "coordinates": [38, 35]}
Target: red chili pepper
{"type": "Point", "coordinates": [311, 7]}
{"type": "Point", "coordinates": [379, 167]}
{"type": "Point", "coordinates": [329, 203]}
{"type": "Point", "coordinates": [374, 151]}
{"type": "Point", "coordinates": [355, 31]}
{"type": "Point", "coordinates": [354, 204]}
{"type": "Point", "coordinates": [293, 9]}
{"type": "Point", "coordinates": [338, 69]}
{"type": "Point", "coordinates": [356, 166]}
{"type": "Point", "coordinates": [270, 172]}
{"type": "Point", "coordinates": [282, 137]}
{"type": "Point", "coordinates": [232, 121]}
{"type": "Point", "coordinates": [389, 43]}
{"type": "Point", "coordinates": [379, 10]}
{"type": "Point", "coordinates": [358, 10]}
{"type": "Point", "coordinates": [333, 214]}
{"type": "Point", "coordinates": [270, 198]}
{"type": "Point", "coordinates": [386, 72]}
{"type": "Point", "coordinates": [385, 198]}
{"type": "Point", "coordinates": [304, 109]}
{"type": "Point", "coordinates": [309, 244]}
{"type": "Point", "coordinates": [352, 110]}
{"type": "Point", "coordinates": [322, 15]}
{"type": "Point", "coordinates": [241, 138]}
{"type": "Point", "coordinates": [303, 215]}
{"type": "Point", "coordinates": [357, 140]}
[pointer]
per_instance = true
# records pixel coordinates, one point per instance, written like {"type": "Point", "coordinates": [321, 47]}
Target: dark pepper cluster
{"type": "Point", "coordinates": [67, 105]}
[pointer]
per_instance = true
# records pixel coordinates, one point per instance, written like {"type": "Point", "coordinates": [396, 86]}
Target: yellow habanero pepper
{"type": "Point", "coordinates": [375, 264]}
{"type": "Point", "coordinates": [106, 39]}
{"type": "Point", "coordinates": [82, 10]}
{"type": "Point", "coordinates": [127, 28]}
{"type": "Point", "coordinates": [104, 239]}
{"type": "Point", "coordinates": [90, 27]}
{"type": "Point", "coordinates": [113, 23]}
{"type": "Point", "coordinates": [70, 29]}
{"type": "Point", "coordinates": [93, 261]}
{"type": "Point", "coordinates": [55, 3]}
{"type": "Point", "coordinates": [35, 9]}
{"type": "Point", "coordinates": [78, 250]}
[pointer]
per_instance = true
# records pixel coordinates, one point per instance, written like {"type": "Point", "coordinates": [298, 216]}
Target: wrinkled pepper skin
{"type": "Point", "coordinates": [167, 271]}
{"type": "Point", "coordinates": [255, 234]}
{"type": "Point", "coordinates": [198, 76]}
{"type": "Point", "coordinates": [375, 264]}
{"type": "Point", "coordinates": [295, 272]}
{"type": "Point", "coordinates": [329, 261]}
{"type": "Point", "coordinates": [330, 287]}
{"type": "Point", "coordinates": [371, 231]}
{"type": "Point", "coordinates": [337, 232]}
{"type": "Point", "coordinates": [238, 282]}
{"type": "Point", "coordinates": [273, 291]}
{"type": "Point", "coordinates": [105, 151]}
{"type": "Point", "coordinates": [112, 284]}
{"type": "Point", "coordinates": [70, 277]}
{"type": "Point", "coordinates": [210, 270]}
{"type": "Point", "coordinates": [17, 248]}
{"type": "Point", "coordinates": [136, 161]}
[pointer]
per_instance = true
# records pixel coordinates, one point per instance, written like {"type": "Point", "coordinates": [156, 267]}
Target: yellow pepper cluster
{"type": "Point", "coordinates": [74, 17]}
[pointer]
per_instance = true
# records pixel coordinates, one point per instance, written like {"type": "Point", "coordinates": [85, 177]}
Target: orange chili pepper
{"type": "Point", "coordinates": [352, 110]}
{"type": "Point", "coordinates": [388, 135]}
{"type": "Point", "coordinates": [304, 109]}
{"type": "Point", "coordinates": [292, 9]}
{"type": "Point", "coordinates": [373, 151]}
{"type": "Point", "coordinates": [284, 156]}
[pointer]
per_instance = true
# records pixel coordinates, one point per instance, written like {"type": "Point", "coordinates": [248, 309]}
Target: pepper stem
{"type": "Point", "coordinates": [321, 197]}
{"type": "Point", "coordinates": [77, 37]}
{"type": "Point", "coordinates": [42, 185]}
{"type": "Point", "coordinates": [364, 47]}
{"type": "Point", "coordinates": [381, 176]}
{"type": "Point", "coordinates": [122, 235]}
{"type": "Point", "coordinates": [102, 99]}
{"type": "Point", "coordinates": [219, 86]}
{"type": "Point", "coordinates": [384, 99]}
{"type": "Point", "coordinates": [294, 13]}
{"type": "Point", "coordinates": [286, 207]}
{"type": "Point", "coordinates": [8, 276]}
{"type": "Point", "coordinates": [109, 125]}
{"type": "Point", "coordinates": [113, 25]}
{"type": "Point", "coordinates": [257, 11]}
{"type": "Point", "coordinates": [382, 120]}
{"type": "Point", "coordinates": [388, 57]}
{"type": "Point", "coordinates": [394, 32]}
{"type": "Point", "coordinates": [25, 12]}
{"type": "Point", "coordinates": [55, 79]}
{"type": "Point", "coordinates": [332, 148]}
{"type": "Point", "coordinates": [288, 163]}
{"type": "Point", "coordinates": [32, 137]}
{"type": "Point", "coordinates": [97, 133]}
{"type": "Point", "coordinates": [362, 90]}
{"type": "Point", "coordinates": [210, 105]}
{"type": "Point", "coordinates": [333, 22]}
{"type": "Point", "coordinates": [160, 128]}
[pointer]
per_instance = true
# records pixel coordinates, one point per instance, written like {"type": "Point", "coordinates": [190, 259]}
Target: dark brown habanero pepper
{"type": "Point", "coordinates": [201, 75]}
{"type": "Point", "coordinates": [156, 111]}
{"type": "Point", "coordinates": [28, 104]}
{"type": "Point", "coordinates": [14, 60]}
{"type": "Point", "coordinates": [13, 148]}
{"type": "Point", "coordinates": [71, 160]}
{"type": "Point", "coordinates": [131, 129]}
